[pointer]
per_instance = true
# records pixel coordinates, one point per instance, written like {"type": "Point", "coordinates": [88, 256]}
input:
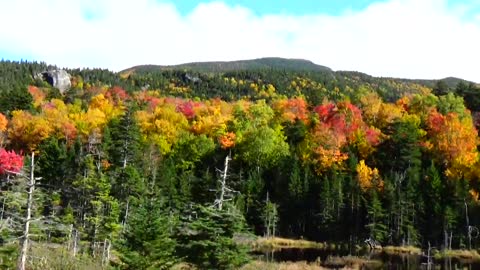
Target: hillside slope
{"type": "Point", "coordinates": [225, 66]}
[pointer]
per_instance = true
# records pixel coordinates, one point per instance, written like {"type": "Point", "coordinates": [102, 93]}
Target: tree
{"type": "Point", "coordinates": [270, 217]}
{"type": "Point", "coordinates": [27, 130]}
{"type": "Point", "coordinates": [3, 129]}
{"type": "Point", "coordinates": [433, 190]}
{"type": "Point", "coordinates": [53, 164]}
{"type": "Point", "coordinates": [147, 242]}
{"type": "Point", "coordinates": [338, 125]}
{"type": "Point", "coordinates": [368, 178]}
{"type": "Point", "coordinates": [205, 237]}
{"type": "Point", "coordinates": [375, 214]}
{"type": "Point", "coordinates": [454, 143]}
{"type": "Point", "coordinates": [22, 260]}
{"type": "Point", "coordinates": [441, 88]}
{"type": "Point", "coordinates": [263, 147]}
{"type": "Point", "coordinates": [402, 158]}
{"type": "Point", "coordinates": [10, 162]}
{"type": "Point", "coordinates": [162, 127]}
{"type": "Point", "coordinates": [260, 141]}
{"type": "Point", "coordinates": [15, 99]}
{"type": "Point", "coordinates": [470, 93]}
{"type": "Point", "coordinates": [451, 104]}
{"type": "Point", "coordinates": [225, 193]}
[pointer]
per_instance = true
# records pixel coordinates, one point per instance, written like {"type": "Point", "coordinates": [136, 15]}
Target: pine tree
{"type": "Point", "coordinates": [147, 242]}
{"type": "Point", "coordinates": [206, 237]}
{"type": "Point", "coordinates": [375, 214]}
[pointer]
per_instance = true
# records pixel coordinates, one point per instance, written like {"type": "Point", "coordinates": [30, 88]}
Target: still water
{"type": "Point", "coordinates": [394, 262]}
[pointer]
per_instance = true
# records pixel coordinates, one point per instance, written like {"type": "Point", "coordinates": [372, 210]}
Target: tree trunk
{"type": "Point", "coordinates": [75, 241]}
{"type": "Point", "coordinates": [445, 239]}
{"type": "Point", "coordinates": [469, 233]}
{"type": "Point", "coordinates": [224, 184]}
{"type": "Point", "coordinates": [31, 188]}
{"type": "Point", "coordinates": [126, 216]}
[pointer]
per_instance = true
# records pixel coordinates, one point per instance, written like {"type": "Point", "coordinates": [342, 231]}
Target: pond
{"type": "Point", "coordinates": [381, 259]}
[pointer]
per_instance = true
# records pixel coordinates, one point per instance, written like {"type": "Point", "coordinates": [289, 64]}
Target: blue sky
{"type": "Point", "coordinates": [298, 7]}
{"type": "Point", "coordinates": [400, 38]}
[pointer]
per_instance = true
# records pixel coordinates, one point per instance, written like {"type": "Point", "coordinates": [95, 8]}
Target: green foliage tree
{"type": "Point", "coordinates": [147, 242]}
{"type": "Point", "coordinates": [206, 237]}
{"type": "Point", "coordinates": [15, 99]}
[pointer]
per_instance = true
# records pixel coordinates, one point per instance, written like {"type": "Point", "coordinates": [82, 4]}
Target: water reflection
{"type": "Point", "coordinates": [388, 261]}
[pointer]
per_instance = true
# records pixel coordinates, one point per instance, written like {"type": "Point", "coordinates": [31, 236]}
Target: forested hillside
{"type": "Point", "coordinates": [151, 167]}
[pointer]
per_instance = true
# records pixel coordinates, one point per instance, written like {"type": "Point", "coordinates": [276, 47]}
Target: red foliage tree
{"type": "Point", "coordinates": [187, 109]}
{"type": "Point", "coordinates": [10, 162]}
{"type": "Point", "coordinates": [344, 118]}
{"type": "Point", "coordinates": [117, 94]}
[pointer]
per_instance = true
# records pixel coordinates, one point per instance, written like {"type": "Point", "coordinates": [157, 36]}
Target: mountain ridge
{"type": "Point", "coordinates": [276, 63]}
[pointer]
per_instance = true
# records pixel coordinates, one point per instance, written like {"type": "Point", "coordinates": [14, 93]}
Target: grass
{"type": "Point", "coordinates": [183, 266]}
{"type": "Point", "coordinates": [257, 265]}
{"type": "Point", "coordinates": [55, 257]}
{"type": "Point", "coordinates": [402, 250]}
{"type": "Point", "coordinates": [461, 254]}
{"type": "Point", "coordinates": [261, 265]}
{"type": "Point", "coordinates": [352, 262]}
{"type": "Point", "coordinates": [349, 262]}
{"type": "Point", "coordinates": [277, 243]}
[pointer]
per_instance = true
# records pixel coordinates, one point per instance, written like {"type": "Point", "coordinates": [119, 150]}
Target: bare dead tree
{"type": "Point", "coordinates": [125, 218]}
{"type": "Point", "coordinates": [467, 221]}
{"type": "Point", "coordinates": [106, 252]}
{"type": "Point", "coordinates": [225, 193]}
{"type": "Point", "coordinates": [28, 217]}
{"type": "Point", "coordinates": [270, 217]}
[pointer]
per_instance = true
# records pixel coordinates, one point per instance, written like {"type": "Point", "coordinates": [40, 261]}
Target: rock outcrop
{"type": "Point", "coordinates": [57, 78]}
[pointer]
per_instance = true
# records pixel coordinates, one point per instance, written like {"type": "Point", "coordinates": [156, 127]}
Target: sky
{"type": "Point", "coordinates": [428, 39]}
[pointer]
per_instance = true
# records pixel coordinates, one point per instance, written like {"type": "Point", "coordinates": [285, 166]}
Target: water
{"type": "Point", "coordinates": [394, 262]}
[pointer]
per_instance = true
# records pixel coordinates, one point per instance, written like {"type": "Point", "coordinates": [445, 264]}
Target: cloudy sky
{"type": "Point", "coordinates": [400, 38]}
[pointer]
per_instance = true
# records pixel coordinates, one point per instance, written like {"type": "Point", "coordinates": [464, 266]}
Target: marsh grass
{"type": "Point", "coordinates": [277, 243]}
{"type": "Point", "coordinates": [461, 254]}
{"type": "Point", "coordinates": [394, 250]}
{"type": "Point", "coordinates": [351, 262]}
{"type": "Point", "coordinates": [259, 265]}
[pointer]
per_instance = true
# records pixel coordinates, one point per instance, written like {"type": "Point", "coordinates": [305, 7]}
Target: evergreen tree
{"type": "Point", "coordinates": [147, 242]}
{"type": "Point", "coordinates": [375, 218]}
{"type": "Point", "coordinates": [15, 99]}
{"type": "Point", "coordinates": [206, 237]}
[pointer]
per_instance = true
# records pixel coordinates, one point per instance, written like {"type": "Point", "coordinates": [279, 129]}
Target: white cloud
{"type": "Point", "coordinates": [401, 38]}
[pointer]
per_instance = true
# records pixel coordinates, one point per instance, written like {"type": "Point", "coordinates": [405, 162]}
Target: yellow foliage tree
{"type": "Point", "coordinates": [367, 177]}
{"type": "Point", "coordinates": [163, 126]}
{"type": "Point", "coordinates": [28, 130]}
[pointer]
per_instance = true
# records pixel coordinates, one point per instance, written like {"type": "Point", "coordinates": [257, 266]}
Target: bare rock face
{"type": "Point", "coordinates": [58, 78]}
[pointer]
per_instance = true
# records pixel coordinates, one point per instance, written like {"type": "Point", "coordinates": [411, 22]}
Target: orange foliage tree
{"type": "Point", "coordinates": [339, 125]}
{"type": "Point", "coordinates": [454, 142]}
{"type": "Point", "coordinates": [291, 110]}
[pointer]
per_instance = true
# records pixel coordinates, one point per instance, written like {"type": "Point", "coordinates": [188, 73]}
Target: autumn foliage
{"type": "Point", "coordinates": [10, 162]}
{"type": "Point", "coordinates": [368, 178]}
{"type": "Point", "coordinates": [340, 125]}
{"type": "Point", "coordinates": [227, 140]}
{"type": "Point", "coordinates": [334, 156]}
{"type": "Point", "coordinates": [3, 123]}
{"type": "Point", "coordinates": [291, 110]}
{"type": "Point", "coordinates": [454, 142]}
